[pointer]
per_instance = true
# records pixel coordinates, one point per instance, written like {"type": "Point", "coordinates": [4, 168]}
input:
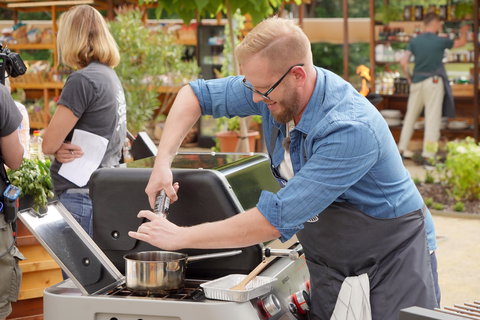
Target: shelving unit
{"type": "Point", "coordinates": [210, 52]}
{"type": "Point", "coordinates": [39, 120]}
{"type": "Point", "coordinates": [467, 105]}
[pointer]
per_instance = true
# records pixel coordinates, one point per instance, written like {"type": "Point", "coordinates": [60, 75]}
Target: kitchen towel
{"type": "Point", "coordinates": [353, 301]}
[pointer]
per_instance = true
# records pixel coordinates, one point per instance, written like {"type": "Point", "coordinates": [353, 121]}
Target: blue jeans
{"type": "Point", "coordinates": [80, 206]}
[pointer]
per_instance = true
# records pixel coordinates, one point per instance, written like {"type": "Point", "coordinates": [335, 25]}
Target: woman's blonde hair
{"type": "Point", "coordinates": [83, 37]}
{"type": "Point", "coordinates": [279, 40]}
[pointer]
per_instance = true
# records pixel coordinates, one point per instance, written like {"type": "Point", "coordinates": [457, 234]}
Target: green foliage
{"type": "Point", "coordinates": [428, 202]}
{"type": "Point", "coordinates": [417, 181]}
{"type": "Point", "coordinates": [429, 179]}
{"type": "Point", "coordinates": [233, 124]}
{"type": "Point", "coordinates": [149, 59]}
{"type": "Point", "coordinates": [33, 177]}
{"type": "Point", "coordinates": [238, 24]}
{"type": "Point", "coordinates": [187, 9]}
{"type": "Point", "coordinates": [391, 12]}
{"type": "Point", "coordinates": [438, 206]}
{"type": "Point", "coordinates": [330, 56]}
{"type": "Point", "coordinates": [464, 9]}
{"type": "Point", "coordinates": [460, 173]}
{"type": "Point", "coordinates": [36, 54]}
{"type": "Point", "coordinates": [459, 206]}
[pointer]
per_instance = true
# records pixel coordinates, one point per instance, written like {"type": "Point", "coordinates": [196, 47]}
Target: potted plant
{"type": "Point", "coordinates": [33, 177]}
{"type": "Point", "coordinates": [228, 134]}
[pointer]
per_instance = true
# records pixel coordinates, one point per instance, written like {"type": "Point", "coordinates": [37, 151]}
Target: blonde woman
{"type": "Point", "coordinates": [92, 100]}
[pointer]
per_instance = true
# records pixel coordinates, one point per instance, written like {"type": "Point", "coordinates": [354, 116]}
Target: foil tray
{"type": "Point", "coordinates": [219, 289]}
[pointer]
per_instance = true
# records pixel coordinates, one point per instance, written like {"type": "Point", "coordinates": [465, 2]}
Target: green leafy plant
{"type": "Point", "coordinates": [459, 206]}
{"type": "Point", "coordinates": [460, 173]}
{"type": "Point", "coordinates": [464, 9]}
{"type": "Point", "coordinates": [417, 181]}
{"type": "Point", "coordinates": [233, 124]}
{"type": "Point", "coordinates": [149, 59]}
{"type": "Point", "coordinates": [429, 179]}
{"type": "Point", "coordinates": [190, 9]}
{"type": "Point", "coordinates": [438, 206]}
{"type": "Point", "coordinates": [428, 202]}
{"type": "Point", "coordinates": [388, 13]}
{"type": "Point", "coordinates": [33, 177]}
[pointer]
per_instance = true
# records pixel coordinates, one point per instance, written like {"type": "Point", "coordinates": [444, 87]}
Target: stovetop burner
{"type": "Point", "coordinates": [191, 292]}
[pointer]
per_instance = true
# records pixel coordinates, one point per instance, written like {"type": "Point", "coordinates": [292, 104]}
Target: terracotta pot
{"type": "Point", "coordinates": [229, 139]}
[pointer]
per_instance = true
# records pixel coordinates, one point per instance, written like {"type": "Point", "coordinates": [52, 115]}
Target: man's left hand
{"type": "Point", "coordinates": [158, 231]}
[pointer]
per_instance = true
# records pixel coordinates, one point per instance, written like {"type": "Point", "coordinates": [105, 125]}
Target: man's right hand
{"type": "Point", "coordinates": [161, 179]}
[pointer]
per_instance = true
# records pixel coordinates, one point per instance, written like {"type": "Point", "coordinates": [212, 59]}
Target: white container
{"type": "Point", "coordinates": [219, 289]}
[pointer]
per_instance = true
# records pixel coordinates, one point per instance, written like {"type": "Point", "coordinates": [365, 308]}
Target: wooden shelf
{"type": "Point", "coordinates": [36, 85]}
{"type": "Point", "coordinates": [31, 46]}
{"type": "Point", "coordinates": [192, 42]}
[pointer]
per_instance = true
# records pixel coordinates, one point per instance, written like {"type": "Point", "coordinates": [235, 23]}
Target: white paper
{"type": "Point", "coordinates": [79, 170]}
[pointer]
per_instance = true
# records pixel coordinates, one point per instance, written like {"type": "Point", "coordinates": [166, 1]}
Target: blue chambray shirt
{"type": "Point", "coordinates": [341, 150]}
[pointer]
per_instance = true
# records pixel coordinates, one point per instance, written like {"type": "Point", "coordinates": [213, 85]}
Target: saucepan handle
{"type": "Point", "coordinates": [293, 254]}
{"type": "Point", "coordinates": [214, 255]}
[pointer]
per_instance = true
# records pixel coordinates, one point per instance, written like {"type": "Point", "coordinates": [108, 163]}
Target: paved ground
{"type": "Point", "coordinates": [458, 253]}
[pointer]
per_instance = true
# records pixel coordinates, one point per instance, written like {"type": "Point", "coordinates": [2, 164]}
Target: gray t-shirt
{"type": "Point", "coordinates": [95, 95]}
{"type": "Point", "coordinates": [10, 116]}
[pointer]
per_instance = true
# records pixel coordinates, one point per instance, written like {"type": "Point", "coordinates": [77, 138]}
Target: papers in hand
{"type": "Point", "coordinates": [79, 170]}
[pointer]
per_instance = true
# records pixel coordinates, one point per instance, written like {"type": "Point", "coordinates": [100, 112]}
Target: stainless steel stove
{"type": "Point", "coordinates": [65, 301]}
{"type": "Point", "coordinates": [213, 187]}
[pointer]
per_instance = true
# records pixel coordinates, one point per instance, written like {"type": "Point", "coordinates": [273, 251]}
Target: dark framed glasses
{"type": "Point", "coordinates": [265, 94]}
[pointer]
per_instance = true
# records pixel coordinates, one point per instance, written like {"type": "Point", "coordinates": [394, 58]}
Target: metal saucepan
{"type": "Point", "coordinates": [160, 271]}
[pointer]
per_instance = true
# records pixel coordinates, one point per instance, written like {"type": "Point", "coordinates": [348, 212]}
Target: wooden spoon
{"type": "Point", "coordinates": [242, 285]}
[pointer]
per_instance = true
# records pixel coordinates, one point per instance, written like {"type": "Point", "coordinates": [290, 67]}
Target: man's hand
{"type": "Point", "coordinates": [158, 232]}
{"type": "Point", "coordinates": [68, 152]}
{"type": "Point", "coordinates": [161, 179]}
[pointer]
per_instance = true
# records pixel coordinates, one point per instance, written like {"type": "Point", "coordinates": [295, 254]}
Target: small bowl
{"type": "Point", "coordinates": [391, 113]}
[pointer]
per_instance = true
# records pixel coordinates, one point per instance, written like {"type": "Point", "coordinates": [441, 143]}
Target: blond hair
{"type": "Point", "coordinates": [279, 40]}
{"type": "Point", "coordinates": [83, 37]}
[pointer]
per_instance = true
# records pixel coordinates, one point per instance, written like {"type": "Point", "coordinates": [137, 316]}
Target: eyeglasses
{"type": "Point", "coordinates": [266, 93]}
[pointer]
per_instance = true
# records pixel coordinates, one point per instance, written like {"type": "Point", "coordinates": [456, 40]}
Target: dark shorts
{"type": "Point", "coordinates": [10, 273]}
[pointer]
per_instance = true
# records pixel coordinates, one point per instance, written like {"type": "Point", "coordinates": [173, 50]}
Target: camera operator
{"type": "Point", "coordinates": [11, 152]}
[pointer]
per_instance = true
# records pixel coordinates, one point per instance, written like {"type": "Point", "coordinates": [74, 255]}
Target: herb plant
{"type": "Point", "coordinates": [460, 173]}
{"type": "Point", "coordinates": [459, 206]}
{"type": "Point", "coordinates": [428, 202]}
{"type": "Point", "coordinates": [33, 177]}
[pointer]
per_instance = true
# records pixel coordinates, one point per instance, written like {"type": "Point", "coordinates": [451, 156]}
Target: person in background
{"type": "Point", "coordinates": [11, 152]}
{"type": "Point", "coordinates": [24, 129]}
{"type": "Point", "coordinates": [92, 100]}
{"type": "Point", "coordinates": [346, 194]}
{"type": "Point", "coordinates": [429, 85]}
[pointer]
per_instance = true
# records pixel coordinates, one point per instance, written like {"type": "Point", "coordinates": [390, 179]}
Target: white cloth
{"type": "Point", "coordinates": [286, 167]}
{"type": "Point", "coordinates": [353, 301]}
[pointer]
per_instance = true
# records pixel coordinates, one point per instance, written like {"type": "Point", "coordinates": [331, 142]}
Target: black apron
{"type": "Point", "coordinates": [345, 242]}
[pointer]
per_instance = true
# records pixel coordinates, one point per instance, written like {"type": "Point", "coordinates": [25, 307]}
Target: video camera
{"type": "Point", "coordinates": [11, 63]}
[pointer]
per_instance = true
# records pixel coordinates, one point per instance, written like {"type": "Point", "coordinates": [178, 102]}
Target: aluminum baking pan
{"type": "Point", "coordinates": [219, 289]}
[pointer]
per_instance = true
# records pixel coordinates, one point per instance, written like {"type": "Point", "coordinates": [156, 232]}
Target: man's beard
{"type": "Point", "coordinates": [290, 108]}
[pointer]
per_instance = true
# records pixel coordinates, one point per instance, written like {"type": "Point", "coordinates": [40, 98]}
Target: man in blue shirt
{"type": "Point", "coordinates": [346, 194]}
